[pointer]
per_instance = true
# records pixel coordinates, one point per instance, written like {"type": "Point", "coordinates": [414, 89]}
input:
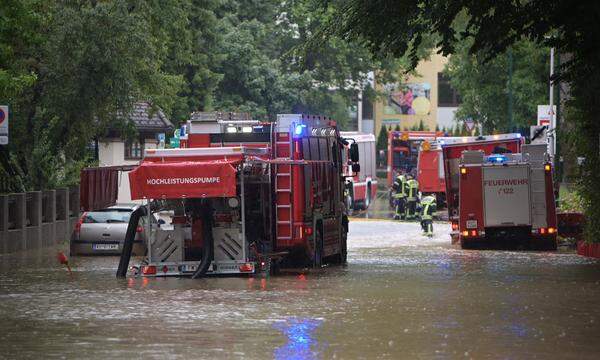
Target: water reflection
{"type": "Point", "coordinates": [301, 342]}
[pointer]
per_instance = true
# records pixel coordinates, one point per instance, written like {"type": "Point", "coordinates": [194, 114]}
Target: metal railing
{"type": "Point", "coordinates": [37, 219]}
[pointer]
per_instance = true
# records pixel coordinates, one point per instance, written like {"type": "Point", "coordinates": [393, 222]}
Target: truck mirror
{"type": "Point", "coordinates": [354, 152]}
{"type": "Point", "coordinates": [355, 168]}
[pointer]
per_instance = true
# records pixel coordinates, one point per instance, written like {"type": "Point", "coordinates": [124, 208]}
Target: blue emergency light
{"type": "Point", "coordinates": [497, 158]}
{"type": "Point", "coordinates": [299, 130]}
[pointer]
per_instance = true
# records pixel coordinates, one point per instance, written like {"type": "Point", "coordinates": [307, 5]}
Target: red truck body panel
{"type": "Point", "coordinates": [431, 179]}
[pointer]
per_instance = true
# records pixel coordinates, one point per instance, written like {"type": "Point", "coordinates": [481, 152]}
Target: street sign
{"type": "Point", "coordinates": [3, 124]}
{"type": "Point", "coordinates": [544, 115]}
{"type": "Point", "coordinates": [469, 124]}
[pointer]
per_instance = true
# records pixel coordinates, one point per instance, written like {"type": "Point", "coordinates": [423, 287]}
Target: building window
{"type": "Point", "coordinates": [447, 95]}
{"type": "Point", "coordinates": [134, 149]}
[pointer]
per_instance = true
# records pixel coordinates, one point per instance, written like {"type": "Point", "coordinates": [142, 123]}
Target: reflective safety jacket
{"type": "Point", "coordinates": [400, 186]}
{"type": "Point", "coordinates": [428, 207]}
{"type": "Point", "coordinates": [413, 189]}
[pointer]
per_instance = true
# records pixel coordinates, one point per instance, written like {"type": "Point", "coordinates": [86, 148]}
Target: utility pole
{"type": "Point", "coordinates": [552, 132]}
{"type": "Point", "coordinates": [510, 91]}
{"type": "Point", "coordinates": [359, 110]}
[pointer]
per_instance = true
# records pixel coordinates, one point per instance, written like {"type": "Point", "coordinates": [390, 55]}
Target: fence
{"type": "Point", "coordinates": [37, 219]}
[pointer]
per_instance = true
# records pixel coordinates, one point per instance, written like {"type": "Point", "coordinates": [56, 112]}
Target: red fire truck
{"type": "Point", "coordinates": [242, 193]}
{"type": "Point", "coordinates": [452, 149]}
{"type": "Point", "coordinates": [403, 151]}
{"type": "Point", "coordinates": [362, 187]}
{"type": "Point", "coordinates": [507, 200]}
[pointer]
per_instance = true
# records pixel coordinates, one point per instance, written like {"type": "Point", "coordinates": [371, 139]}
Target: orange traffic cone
{"type": "Point", "coordinates": [63, 260]}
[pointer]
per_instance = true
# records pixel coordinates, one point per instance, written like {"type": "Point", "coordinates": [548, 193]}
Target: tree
{"type": "Point", "coordinates": [196, 54]}
{"type": "Point", "coordinates": [85, 63]}
{"type": "Point", "coordinates": [382, 138]}
{"type": "Point", "coordinates": [486, 90]}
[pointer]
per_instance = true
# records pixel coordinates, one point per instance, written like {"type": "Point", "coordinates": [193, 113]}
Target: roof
{"type": "Point", "coordinates": [357, 136]}
{"type": "Point", "coordinates": [147, 119]}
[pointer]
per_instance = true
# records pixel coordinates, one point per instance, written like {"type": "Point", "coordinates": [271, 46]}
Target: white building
{"type": "Point", "coordinates": [114, 151]}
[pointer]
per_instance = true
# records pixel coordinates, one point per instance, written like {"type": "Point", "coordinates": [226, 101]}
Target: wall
{"type": "Point", "coordinates": [445, 117]}
{"type": "Point", "coordinates": [111, 152]}
{"type": "Point", "coordinates": [37, 219]}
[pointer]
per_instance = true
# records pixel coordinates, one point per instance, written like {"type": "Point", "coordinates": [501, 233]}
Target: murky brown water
{"type": "Point", "coordinates": [401, 296]}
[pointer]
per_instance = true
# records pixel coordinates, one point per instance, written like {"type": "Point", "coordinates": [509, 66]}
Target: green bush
{"type": "Point", "coordinates": [571, 201]}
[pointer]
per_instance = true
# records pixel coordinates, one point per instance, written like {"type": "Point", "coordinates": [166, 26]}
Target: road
{"type": "Point", "coordinates": [402, 295]}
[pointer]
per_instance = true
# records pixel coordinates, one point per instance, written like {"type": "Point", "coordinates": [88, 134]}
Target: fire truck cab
{"type": "Point", "coordinates": [361, 187]}
{"type": "Point", "coordinates": [507, 200]}
{"type": "Point", "coordinates": [240, 194]}
{"type": "Point", "coordinates": [403, 151]}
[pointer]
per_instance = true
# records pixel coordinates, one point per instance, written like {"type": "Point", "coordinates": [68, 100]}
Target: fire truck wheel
{"type": "Point", "coordinates": [318, 256]}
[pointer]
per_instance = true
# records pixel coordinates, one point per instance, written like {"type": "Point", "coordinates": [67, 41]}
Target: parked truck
{"type": "Point", "coordinates": [242, 195]}
{"type": "Point", "coordinates": [452, 149]}
{"type": "Point", "coordinates": [507, 199]}
{"type": "Point", "coordinates": [403, 151]}
{"type": "Point", "coordinates": [361, 187]}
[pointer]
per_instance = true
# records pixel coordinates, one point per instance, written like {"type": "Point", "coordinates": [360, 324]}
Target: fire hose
{"type": "Point", "coordinates": [205, 213]}
{"type": "Point", "coordinates": [128, 242]}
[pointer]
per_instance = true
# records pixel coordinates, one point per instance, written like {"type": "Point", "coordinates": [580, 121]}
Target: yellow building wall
{"type": "Point", "coordinates": [426, 73]}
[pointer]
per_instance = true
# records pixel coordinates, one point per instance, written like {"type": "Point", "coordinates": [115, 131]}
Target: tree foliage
{"type": "Point", "coordinates": [68, 68]}
{"type": "Point", "coordinates": [382, 138]}
{"type": "Point", "coordinates": [485, 87]}
{"type": "Point", "coordinates": [571, 27]}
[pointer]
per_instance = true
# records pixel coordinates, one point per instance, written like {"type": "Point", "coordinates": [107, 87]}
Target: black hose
{"type": "Point", "coordinates": [128, 242]}
{"type": "Point", "coordinates": [208, 243]}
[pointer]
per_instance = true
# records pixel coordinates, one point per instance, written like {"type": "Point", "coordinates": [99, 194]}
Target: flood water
{"type": "Point", "coordinates": [401, 296]}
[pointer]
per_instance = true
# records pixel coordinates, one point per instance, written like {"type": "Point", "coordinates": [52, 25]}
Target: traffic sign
{"type": "Point", "coordinates": [470, 124]}
{"type": "Point", "coordinates": [3, 124]}
{"type": "Point", "coordinates": [544, 115]}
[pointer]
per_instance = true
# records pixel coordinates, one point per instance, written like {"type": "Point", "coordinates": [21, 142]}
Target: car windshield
{"type": "Point", "coordinates": [107, 216]}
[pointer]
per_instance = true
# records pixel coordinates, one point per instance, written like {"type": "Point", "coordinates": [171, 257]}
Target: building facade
{"type": "Point", "coordinates": [425, 97]}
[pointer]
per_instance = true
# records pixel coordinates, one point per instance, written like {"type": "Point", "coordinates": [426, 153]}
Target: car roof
{"type": "Point", "coordinates": [124, 207]}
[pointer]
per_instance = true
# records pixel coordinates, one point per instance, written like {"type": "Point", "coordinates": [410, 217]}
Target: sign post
{"type": "Point", "coordinates": [3, 124]}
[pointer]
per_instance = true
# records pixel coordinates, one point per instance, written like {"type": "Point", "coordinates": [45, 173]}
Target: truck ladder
{"type": "Point", "coordinates": [283, 188]}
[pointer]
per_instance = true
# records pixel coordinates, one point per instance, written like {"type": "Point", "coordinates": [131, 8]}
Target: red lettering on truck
{"type": "Point", "coordinates": [505, 182]}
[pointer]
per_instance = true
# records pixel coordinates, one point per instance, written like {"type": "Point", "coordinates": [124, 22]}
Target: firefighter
{"type": "Point", "coordinates": [411, 197]}
{"type": "Point", "coordinates": [399, 195]}
{"type": "Point", "coordinates": [427, 208]}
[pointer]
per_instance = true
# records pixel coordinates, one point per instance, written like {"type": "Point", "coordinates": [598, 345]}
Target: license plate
{"type": "Point", "coordinates": [471, 224]}
{"type": "Point", "coordinates": [105, 246]}
{"type": "Point", "coordinates": [189, 268]}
